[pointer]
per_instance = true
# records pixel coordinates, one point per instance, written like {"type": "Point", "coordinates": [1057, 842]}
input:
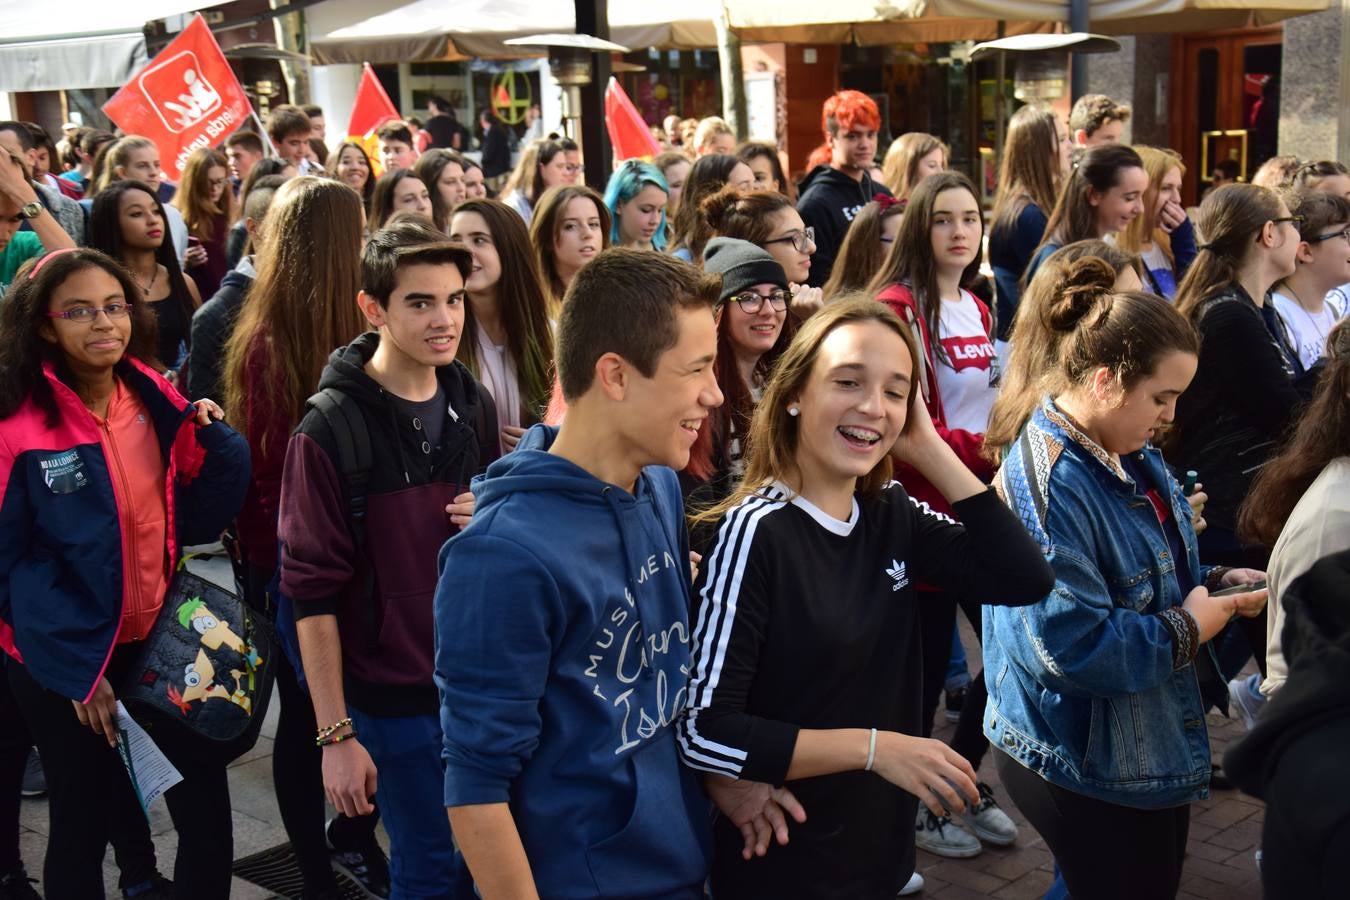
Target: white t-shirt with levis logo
{"type": "Point", "coordinates": [968, 378]}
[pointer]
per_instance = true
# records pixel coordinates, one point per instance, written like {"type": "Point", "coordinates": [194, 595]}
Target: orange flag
{"type": "Point", "coordinates": [628, 132]}
{"type": "Point", "coordinates": [371, 110]}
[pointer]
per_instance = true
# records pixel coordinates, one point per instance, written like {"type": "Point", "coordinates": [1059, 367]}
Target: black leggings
{"type": "Point", "coordinates": [1105, 851]}
{"type": "Point", "coordinates": [14, 744]}
{"type": "Point", "coordinates": [937, 620]}
{"type": "Point", "coordinates": [90, 799]}
{"type": "Point", "coordinates": [297, 771]}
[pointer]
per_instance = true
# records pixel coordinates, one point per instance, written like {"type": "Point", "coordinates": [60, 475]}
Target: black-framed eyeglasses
{"type": "Point", "coordinates": [1343, 233]}
{"type": "Point", "coordinates": [800, 240]}
{"type": "Point", "coordinates": [85, 315]}
{"type": "Point", "coordinates": [752, 302]}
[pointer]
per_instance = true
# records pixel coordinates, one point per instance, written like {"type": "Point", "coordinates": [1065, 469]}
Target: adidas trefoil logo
{"type": "Point", "coordinates": [897, 572]}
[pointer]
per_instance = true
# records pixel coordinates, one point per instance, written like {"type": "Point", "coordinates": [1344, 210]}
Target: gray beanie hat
{"type": "Point", "coordinates": [742, 265]}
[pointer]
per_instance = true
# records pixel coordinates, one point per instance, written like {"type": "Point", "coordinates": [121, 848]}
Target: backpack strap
{"type": "Point", "coordinates": [351, 437]}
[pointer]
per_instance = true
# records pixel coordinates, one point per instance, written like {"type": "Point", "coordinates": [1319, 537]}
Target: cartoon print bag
{"type": "Point", "coordinates": [207, 663]}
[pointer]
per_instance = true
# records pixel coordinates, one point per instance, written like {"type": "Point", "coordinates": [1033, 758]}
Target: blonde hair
{"type": "Point", "coordinates": [1158, 161]}
{"type": "Point", "coordinates": [708, 129]}
{"type": "Point", "coordinates": [900, 169]}
{"type": "Point", "coordinates": [119, 156]}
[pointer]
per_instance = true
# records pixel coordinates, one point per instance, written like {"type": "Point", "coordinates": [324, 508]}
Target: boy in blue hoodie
{"type": "Point", "coordinates": [562, 631]}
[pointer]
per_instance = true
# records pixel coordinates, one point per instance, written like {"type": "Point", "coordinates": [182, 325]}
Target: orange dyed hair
{"type": "Point", "coordinates": [844, 111]}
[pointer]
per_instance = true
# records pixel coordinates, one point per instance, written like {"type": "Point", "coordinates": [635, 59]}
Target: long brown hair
{"type": "Point", "coordinates": [1144, 227]}
{"type": "Point", "coordinates": [546, 225]}
{"type": "Point", "coordinates": [524, 308]}
{"type": "Point", "coordinates": [910, 260]}
{"type": "Point", "coordinates": [193, 198]}
{"type": "Point", "coordinates": [1098, 170]}
{"type": "Point", "coordinates": [1035, 345]}
{"type": "Point", "coordinates": [861, 254]}
{"type": "Point", "coordinates": [900, 168]}
{"type": "Point", "coordinates": [301, 307]}
{"type": "Point", "coordinates": [743, 215]}
{"type": "Point", "coordinates": [771, 445]}
{"type": "Point", "coordinates": [707, 176]}
{"type": "Point", "coordinates": [1030, 169]}
{"type": "Point", "coordinates": [1323, 433]}
{"type": "Point", "coordinates": [1230, 217]}
{"type": "Point", "coordinates": [335, 158]}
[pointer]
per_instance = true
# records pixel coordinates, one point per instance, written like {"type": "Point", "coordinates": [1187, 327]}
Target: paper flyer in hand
{"type": "Point", "coordinates": [150, 771]}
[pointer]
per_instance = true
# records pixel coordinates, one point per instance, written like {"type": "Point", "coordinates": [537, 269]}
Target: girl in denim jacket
{"type": "Point", "coordinates": [1094, 705]}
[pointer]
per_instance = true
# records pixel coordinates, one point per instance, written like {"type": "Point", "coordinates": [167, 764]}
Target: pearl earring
{"type": "Point", "coordinates": [792, 410]}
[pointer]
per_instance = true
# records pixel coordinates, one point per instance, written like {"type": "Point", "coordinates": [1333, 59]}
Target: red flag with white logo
{"type": "Point", "coordinates": [187, 97]}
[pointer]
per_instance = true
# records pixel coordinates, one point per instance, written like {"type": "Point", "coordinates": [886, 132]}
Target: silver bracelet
{"type": "Point", "coordinates": [871, 751]}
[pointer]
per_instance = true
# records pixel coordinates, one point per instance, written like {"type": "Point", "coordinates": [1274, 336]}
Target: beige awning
{"type": "Point", "coordinates": [435, 29]}
{"type": "Point", "coordinates": [97, 45]}
{"type": "Point", "coordinates": [871, 22]}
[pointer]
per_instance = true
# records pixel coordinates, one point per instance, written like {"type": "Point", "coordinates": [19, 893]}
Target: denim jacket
{"type": "Point", "coordinates": [1093, 688]}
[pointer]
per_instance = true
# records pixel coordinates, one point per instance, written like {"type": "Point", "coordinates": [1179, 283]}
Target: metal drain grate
{"type": "Point", "coordinates": [276, 870]}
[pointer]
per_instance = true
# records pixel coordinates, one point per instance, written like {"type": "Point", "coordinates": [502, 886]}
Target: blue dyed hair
{"type": "Point", "coordinates": [626, 183]}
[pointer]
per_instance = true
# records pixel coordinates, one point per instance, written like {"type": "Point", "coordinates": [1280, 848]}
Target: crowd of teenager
{"type": "Point", "coordinates": [632, 528]}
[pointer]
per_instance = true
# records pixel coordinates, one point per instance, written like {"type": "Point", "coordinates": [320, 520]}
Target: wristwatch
{"type": "Point", "coordinates": [31, 210]}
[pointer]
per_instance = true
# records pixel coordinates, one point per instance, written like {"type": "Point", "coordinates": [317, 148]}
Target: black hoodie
{"type": "Point", "coordinates": [1295, 758]}
{"type": "Point", "coordinates": [827, 201]}
{"type": "Point", "coordinates": [387, 640]}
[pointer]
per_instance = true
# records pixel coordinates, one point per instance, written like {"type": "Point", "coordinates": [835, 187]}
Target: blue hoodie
{"type": "Point", "coordinates": [562, 653]}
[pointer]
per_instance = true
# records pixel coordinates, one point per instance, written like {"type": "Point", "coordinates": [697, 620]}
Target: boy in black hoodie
{"type": "Point", "coordinates": [832, 193]}
{"type": "Point", "coordinates": [363, 607]}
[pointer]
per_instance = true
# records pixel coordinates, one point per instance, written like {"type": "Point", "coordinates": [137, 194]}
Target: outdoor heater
{"type": "Point", "coordinates": [570, 63]}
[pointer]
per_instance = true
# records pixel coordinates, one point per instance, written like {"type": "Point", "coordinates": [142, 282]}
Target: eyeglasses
{"type": "Point", "coordinates": [573, 169]}
{"type": "Point", "coordinates": [800, 240]}
{"type": "Point", "coordinates": [85, 315]}
{"type": "Point", "coordinates": [1343, 233]}
{"type": "Point", "coordinates": [752, 302]}
{"type": "Point", "coordinates": [1296, 220]}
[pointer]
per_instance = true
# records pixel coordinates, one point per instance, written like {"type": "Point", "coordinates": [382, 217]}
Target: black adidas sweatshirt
{"type": "Point", "coordinates": [804, 621]}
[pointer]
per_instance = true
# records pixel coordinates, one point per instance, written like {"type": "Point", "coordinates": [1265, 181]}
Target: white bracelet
{"type": "Point", "coordinates": [871, 751]}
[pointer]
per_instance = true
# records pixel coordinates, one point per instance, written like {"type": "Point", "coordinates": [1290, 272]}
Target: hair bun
{"type": "Point", "coordinates": [715, 207]}
{"type": "Point", "coordinates": [1077, 301]}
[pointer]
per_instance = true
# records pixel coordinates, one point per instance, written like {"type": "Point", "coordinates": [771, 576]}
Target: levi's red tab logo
{"type": "Point", "coordinates": [969, 352]}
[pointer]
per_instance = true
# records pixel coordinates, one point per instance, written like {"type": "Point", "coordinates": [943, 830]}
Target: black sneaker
{"type": "Point", "coordinates": [34, 781]}
{"type": "Point", "coordinates": [956, 701]}
{"type": "Point", "coordinates": [367, 865]}
{"type": "Point", "coordinates": [16, 885]}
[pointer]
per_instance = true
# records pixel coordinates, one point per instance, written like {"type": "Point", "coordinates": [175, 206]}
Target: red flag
{"type": "Point", "coordinates": [187, 97]}
{"type": "Point", "coordinates": [372, 107]}
{"type": "Point", "coordinates": [371, 110]}
{"type": "Point", "coordinates": [628, 132]}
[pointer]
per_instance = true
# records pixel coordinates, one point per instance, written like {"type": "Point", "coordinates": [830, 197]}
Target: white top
{"type": "Point", "coordinates": [1318, 527]}
{"type": "Point", "coordinates": [1309, 330]}
{"type": "Point", "coordinates": [964, 379]}
{"type": "Point", "coordinates": [497, 372]}
{"type": "Point", "coordinates": [516, 200]}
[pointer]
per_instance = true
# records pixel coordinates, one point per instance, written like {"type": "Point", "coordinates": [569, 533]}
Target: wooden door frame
{"type": "Point", "coordinates": [1230, 43]}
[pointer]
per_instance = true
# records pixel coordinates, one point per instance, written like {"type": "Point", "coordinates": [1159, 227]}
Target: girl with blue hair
{"type": "Point", "coordinates": [636, 198]}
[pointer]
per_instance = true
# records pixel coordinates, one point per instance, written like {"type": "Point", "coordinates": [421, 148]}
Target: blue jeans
{"type": "Point", "coordinates": [407, 755]}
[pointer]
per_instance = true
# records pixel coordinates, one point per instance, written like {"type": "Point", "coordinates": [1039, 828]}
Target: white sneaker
{"type": "Point", "coordinates": [913, 886]}
{"type": "Point", "coordinates": [943, 837]}
{"type": "Point", "coordinates": [990, 823]}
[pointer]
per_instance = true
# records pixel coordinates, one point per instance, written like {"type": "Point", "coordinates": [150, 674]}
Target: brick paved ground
{"type": "Point", "coordinates": [1225, 832]}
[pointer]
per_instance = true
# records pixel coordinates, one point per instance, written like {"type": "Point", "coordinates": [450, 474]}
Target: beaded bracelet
{"type": "Point", "coordinates": [334, 739]}
{"type": "Point", "coordinates": [331, 729]}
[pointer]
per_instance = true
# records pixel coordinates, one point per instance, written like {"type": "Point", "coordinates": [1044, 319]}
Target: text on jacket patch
{"type": "Point", "coordinates": [623, 650]}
